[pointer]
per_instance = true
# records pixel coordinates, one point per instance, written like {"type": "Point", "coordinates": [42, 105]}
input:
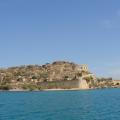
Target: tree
{"type": "Point", "coordinates": [88, 79]}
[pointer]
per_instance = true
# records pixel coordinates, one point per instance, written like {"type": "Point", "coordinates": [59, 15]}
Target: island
{"type": "Point", "coordinates": [59, 75]}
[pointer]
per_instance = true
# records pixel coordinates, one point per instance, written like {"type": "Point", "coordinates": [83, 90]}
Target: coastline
{"type": "Point", "coordinates": [48, 90]}
{"type": "Point", "coordinates": [23, 90]}
{"type": "Point", "coordinates": [54, 89]}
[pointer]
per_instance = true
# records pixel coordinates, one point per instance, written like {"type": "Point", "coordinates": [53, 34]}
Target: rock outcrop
{"type": "Point", "coordinates": [83, 84]}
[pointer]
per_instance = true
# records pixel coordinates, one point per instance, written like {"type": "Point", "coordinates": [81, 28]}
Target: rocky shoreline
{"type": "Point", "coordinates": [74, 89]}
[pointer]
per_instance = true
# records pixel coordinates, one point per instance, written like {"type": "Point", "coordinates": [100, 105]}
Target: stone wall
{"type": "Point", "coordinates": [70, 84]}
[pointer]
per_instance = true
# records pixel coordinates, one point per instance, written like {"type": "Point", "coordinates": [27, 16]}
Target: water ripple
{"type": "Point", "coordinates": [61, 105]}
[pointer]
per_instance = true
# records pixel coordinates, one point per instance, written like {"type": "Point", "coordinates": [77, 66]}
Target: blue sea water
{"type": "Point", "coordinates": [101, 104]}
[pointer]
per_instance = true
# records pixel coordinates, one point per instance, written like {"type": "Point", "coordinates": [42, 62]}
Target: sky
{"type": "Point", "coordinates": [43, 31]}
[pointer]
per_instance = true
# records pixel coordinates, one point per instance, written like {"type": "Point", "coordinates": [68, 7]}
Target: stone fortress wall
{"type": "Point", "coordinates": [68, 84]}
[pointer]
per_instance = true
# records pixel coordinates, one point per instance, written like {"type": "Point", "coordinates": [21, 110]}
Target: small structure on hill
{"type": "Point", "coordinates": [83, 67]}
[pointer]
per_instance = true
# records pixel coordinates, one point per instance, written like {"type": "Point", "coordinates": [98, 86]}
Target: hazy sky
{"type": "Point", "coordinates": [41, 31]}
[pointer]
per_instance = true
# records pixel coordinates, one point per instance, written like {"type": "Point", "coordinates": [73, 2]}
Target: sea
{"type": "Point", "coordinates": [101, 104]}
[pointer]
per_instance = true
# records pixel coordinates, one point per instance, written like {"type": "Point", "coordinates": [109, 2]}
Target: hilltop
{"type": "Point", "coordinates": [59, 74]}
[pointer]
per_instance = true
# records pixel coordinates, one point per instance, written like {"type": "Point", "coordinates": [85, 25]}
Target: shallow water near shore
{"type": "Point", "coordinates": [100, 104]}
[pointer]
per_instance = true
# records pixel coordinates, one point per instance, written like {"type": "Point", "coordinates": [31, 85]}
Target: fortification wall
{"type": "Point", "coordinates": [64, 84]}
